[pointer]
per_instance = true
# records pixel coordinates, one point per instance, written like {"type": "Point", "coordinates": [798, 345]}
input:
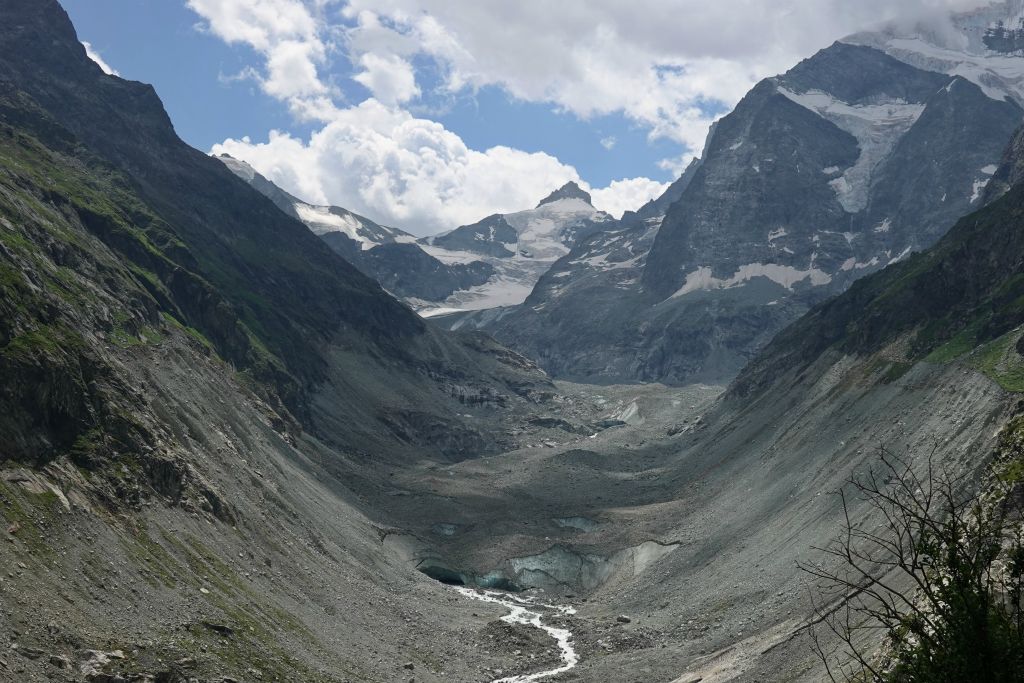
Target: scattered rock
{"type": "Point", "coordinates": [106, 678]}
{"type": "Point", "coordinates": [219, 628]}
{"type": "Point", "coordinates": [93, 662]}
{"type": "Point", "coordinates": [60, 661]}
{"type": "Point", "coordinates": [408, 666]}
{"type": "Point", "coordinates": [30, 652]}
{"type": "Point", "coordinates": [623, 619]}
{"type": "Point", "coordinates": [676, 430]}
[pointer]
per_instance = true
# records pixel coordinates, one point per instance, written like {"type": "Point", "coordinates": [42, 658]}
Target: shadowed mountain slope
{"type": "Point", "coordinates": [197, 394]}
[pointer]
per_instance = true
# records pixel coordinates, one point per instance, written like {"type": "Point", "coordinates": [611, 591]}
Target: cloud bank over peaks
{"type": "Point", "coordinates": [413, 173]}
{"type": "Point", "coordinates": [375, 157]}
{"type": "Point", "coordinates": [669, 67]}
{"type": "Point", "coordinates": [92, 54]}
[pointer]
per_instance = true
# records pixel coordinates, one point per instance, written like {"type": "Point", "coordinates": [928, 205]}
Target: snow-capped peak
{"type": "Point", "coordinates": [984, 46]}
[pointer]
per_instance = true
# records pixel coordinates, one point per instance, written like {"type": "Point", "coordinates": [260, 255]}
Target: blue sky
{"type": "Point", "coordinates": [428, 114]}
{"type": "Point", "coordinates": [159, 42]}
{"type": "Point", "coordinates": [166, 43]}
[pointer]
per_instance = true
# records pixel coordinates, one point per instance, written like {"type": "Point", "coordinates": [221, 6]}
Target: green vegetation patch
{"type": "Point", "coordinates": [190, 331]}
{"type": "Point", "coordinates": [27, 517]}
{"type": "Point", "coordinates": [45, 339]}
{"type": "Point", "coordinates": [963, 343]}
{"type": "Point", "coordinates": [1000, 361]}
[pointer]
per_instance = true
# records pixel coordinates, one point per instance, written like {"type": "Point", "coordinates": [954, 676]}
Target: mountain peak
{"type": "Point", "coordinates": [568, 191]}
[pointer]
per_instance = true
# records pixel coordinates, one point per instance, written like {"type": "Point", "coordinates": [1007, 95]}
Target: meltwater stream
{"type": "Point", "coordinates": [519, 614]}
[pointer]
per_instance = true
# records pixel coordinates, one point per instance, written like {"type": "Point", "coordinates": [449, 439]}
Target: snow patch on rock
{"type": "Point", "coordinates": [702, 279]}
{"type": "Point", "coordinates": [321, 221]}
{"type": "Point", "coordinates": [877, 127]}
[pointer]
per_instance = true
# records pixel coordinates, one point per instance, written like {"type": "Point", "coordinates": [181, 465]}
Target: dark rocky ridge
{"type": "Point", "coordinates": [409, 272]}
{"type": "Point", "coordinates": [798, 198]}
{"type": "Point", "coordinates": [1008, 39]}
{"type": "Point", "coordinates": [395, 262]}
{"type": "Point", "coordinates": [295, 293]}
{"type": "Point", "coordinates": [1010, 171]}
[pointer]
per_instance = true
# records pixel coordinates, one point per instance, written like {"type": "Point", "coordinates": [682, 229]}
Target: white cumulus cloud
{"type": "Point", "coordinates": [390, 78]}
{"type": "Point", "coordinates": [287, 33]}
{"type": "Point", "coordinates": [660, 62]}
{"type": "Point", "coordinates": [91, 52]}
{"type": "Point", "coordinates": [402, 170]}
{"type": "Point", "coordinates": [670, 66]}
{"type": "Point", "coordinates": [628, 194]}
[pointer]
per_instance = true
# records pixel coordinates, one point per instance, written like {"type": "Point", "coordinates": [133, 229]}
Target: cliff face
{"type": "Point", "coordinates": [1010, 171]}
{"type": "Point", "coordinates": [850, 161]}
{"type": "Point", "coordinates": [942, 304]}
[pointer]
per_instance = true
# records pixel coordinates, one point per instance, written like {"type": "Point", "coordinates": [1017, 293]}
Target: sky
{"type": "Point", "coordinates": [429, 114]}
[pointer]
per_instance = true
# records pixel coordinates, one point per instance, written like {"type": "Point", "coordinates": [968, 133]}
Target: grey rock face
{"type": "Point", "coordinates": [741, 201]}
{"type": "Point", "coordinates": [492, 236]}
{"type": "Point", "coordinates": [939, 169]}
{"type": "Point", "coordinates": [1003, 39]}
{"type": "Point", "coordinates": [1010, 171]}
{"type": "Point", "coordinates": [849, 162]}
{"type": "Point", "coordinates": [886, 170]}
{"type": "Point", "coordinates": [408, 271]}
{"type": "Point", "coordinates": [964, 288]}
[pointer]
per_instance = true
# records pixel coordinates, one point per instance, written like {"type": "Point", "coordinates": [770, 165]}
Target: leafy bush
{"type": "Point", "coordinates": [936, 570]}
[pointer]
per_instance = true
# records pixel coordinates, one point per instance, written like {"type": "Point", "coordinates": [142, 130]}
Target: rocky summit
{"type": "Point", "coordinates": [766, 427]}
